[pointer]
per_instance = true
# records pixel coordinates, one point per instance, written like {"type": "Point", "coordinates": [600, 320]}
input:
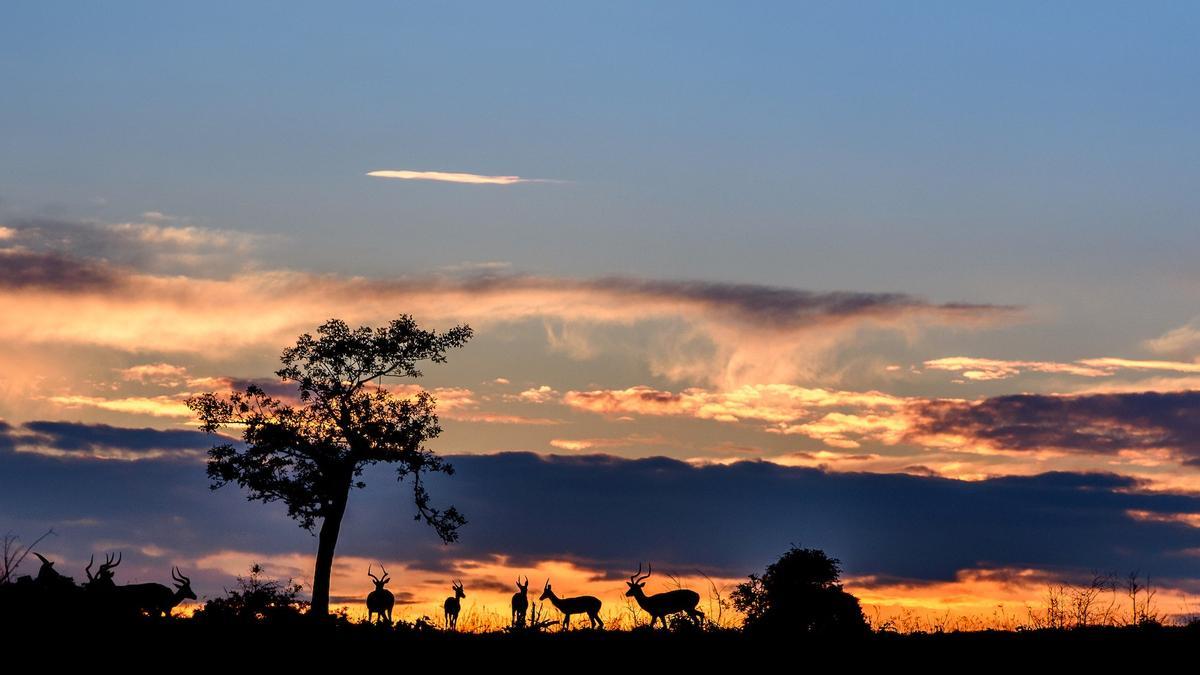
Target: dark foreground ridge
{"type": "Point", "coordinates": [367, 644]}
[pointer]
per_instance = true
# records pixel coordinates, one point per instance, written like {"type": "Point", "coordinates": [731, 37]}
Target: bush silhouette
{"type": "Point", "coordinates": [800, 593]}
{"type": "Point", "coordinates": [256, 598]}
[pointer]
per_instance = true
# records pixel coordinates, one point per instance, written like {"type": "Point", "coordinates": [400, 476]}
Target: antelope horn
{"type": "Point", "coordinates": [386, 578]}
{"type": "Point", "coordinates": [88, 570]}
{"type": "Point", "coordinates": [633, 578]}
{"type": "Point", "coordinates": [42, 558]}
{"type": "Point", "coordinates": [649, 571]}
{"type": "Point", "coordinates": [372, 575]}
{"type": "Point", "coordinates": [547, 583]}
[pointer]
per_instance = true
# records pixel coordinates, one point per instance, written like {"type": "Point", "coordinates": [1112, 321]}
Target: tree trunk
{"type": "Point", "coordinates": [331, 525]}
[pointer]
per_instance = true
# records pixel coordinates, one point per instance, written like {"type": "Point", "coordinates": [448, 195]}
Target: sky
{"type": "Point", "coordinates": [911, 283]}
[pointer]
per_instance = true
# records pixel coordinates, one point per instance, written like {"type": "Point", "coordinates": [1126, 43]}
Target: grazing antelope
{"type": "Point", "coordinates": [660, 605]}
{"type": "Point", "coordinates": [380, 600]}
{"type": "Point", "coordinates": [156, 599]}
{"type": "Point", "coordinates": [520, 602]}
{"type": "Point", "coordinates": [453, 605]}
{"type": "Point", "coordinates": [103, 580]}
{"type": "Point", "coordinates": [583, 604]}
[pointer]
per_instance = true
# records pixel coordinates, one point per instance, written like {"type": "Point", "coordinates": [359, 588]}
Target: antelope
{"type": "Point", "coordinates": [520, 602]}
{"type": "Point", "coordinates": [583, 604]}
{"type": "Point", "coordinates": [660, 605]}
{"type": "Point", "coordinates": [380, 600]}
{"type": "Point", "coordinates": [453, 604]}
{"type": "Point", "coordinates": [104, 575]}
{"type": "Point", "coordinates": [48, 576]}
{"type": "Point", "coordinates": [156, 599]}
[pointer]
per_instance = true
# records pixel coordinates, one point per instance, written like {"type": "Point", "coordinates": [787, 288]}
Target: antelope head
{"type": "Point", "coordinates": [47, 571]}
{"type": "Point", "coordinates": [104, 574]}
{"type": "Point", "coordinates": [183, 585]}
{"type": "Point", "coordinates": [523, 589]}
{"type": "Point", "coordinates": [379, 582]}
{"type": "Point", "coordinates": [458, 590]}
{"type": "Point", "coordinates": [547, 592]}
{"type": "Point", "coordinates": [637, 582]}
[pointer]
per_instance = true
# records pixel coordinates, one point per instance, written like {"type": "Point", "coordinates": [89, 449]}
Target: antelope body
{"type": "Point", "coordinates": [660, 605]}
{"type": "Point", "coordinates": [155, 599]}
{"type": "Point", "coordinates": [380, 601]}
{"type": "Point", "coordinates": [583, 604]}
{"type": "Point", "coordinates": [453, 604]}
{"type": "Point", "coordinates": [520, 603]}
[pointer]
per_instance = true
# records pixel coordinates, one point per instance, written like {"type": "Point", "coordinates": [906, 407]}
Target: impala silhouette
{"type": "Point", "coordinates": [156, 599]}
{"type": "Point", "coordinates": [103, 579]}
{"type": "Point", "coordinates": [453, 604]}
{"type": "Point", "coordinates": [520, 603]}
{"type": "Point", "coordinates": [660, 605]}
{"type": "Point", "coordinates": [583, 604]}
{"type": "Point", "coordinates": [380, 601]}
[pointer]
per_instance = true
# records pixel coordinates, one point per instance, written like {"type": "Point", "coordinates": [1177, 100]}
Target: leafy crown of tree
{"type": "Point", "coordinates": [304, 453]}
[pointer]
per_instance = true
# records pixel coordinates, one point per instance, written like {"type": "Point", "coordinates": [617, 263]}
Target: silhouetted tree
{"type": "Point", "coordinates": [309, 453]}
{"type": "Point", "coordinates": [800, 593]}
{"type": "Point", "coordinates": [256, 598]}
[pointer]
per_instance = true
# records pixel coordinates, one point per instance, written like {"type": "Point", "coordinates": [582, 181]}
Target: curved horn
{"type": "Point", "coordinates": [386, 578]}
{"type": "Point", "coordinates": [633, 577]}
{"type": "Point", "coordinates": [42, 558]}
{"type": "Point", "coordinates": [373, 577]}
{"type": "Point", "coordinates": [547, 583]}
{"type": "Point", "coordinates": [640, 576]}
{"type": "Point", "coordinates": [88, 570]}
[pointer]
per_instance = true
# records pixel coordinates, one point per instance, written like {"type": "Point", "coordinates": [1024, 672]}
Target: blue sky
{"type": "Point", "coordinates": [836, 237]}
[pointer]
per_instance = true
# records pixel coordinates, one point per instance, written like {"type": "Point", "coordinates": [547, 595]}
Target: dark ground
{"type": "Point", "coordinates": [188, 644]}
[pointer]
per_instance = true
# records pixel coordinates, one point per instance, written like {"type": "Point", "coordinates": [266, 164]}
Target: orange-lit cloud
{"type": "Point", "coordinates": [979, 369]}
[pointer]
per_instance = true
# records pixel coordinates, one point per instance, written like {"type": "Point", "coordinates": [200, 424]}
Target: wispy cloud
{"type": "Point", "coordinates": [996, 369]}
{"type": "Point", "coordinates": [456, 177]}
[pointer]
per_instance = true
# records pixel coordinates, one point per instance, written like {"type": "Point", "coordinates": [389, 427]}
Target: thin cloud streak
{"type": "Point", "coordinates": [457, 177]}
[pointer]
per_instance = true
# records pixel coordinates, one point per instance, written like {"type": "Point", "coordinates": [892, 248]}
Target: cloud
{"type": "Point", "coordinates": [145, 246]}
{"type": "Point", "coordinates": [979, 369]}
{"type": "Point", "coordinates": [73, 440]}
{"type": "Point", "coordinates": [161, 374]}
{"type": "Point", "coordinates": [776, 403]}
{"type": "Point", "coordinates": [1184, 339]}
{"type": "Point", "coordinates": [728, 334]}
{"type": "Point", "coordinates": [451, 177]}
{"type": "Point", "coordinates": [727, 520]}
{"type": "Point", "coordinates": [1091, 423]}
{"type": "Point", "coordinates": [50, 271]}
{"type": "Point", "coordinates": [1101, 424]}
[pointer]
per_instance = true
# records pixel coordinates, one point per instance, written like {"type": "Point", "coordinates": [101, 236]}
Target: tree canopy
{"type": "Point", "coordinates": [309, 450]}
{"type": "Point", "coordinates": [800, 593]}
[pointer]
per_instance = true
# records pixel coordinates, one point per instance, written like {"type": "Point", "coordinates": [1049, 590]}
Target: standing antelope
{"type": "Point", "coordinates": [103, 580]}
{"type": "Point", "coordinates": [453, 605]}
{"type": "Point", "coordinates": [156, 599]}
{"type": "Point", "coordinates": [660, 605]}
{"type": "Point", "coordinates": [380, 600]}
{"type": "Point", "coordinates": [583, 604]}
{"type": "Point", "coordinates": [520, 602]}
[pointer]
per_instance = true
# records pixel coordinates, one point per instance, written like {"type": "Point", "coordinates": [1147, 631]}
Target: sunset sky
{"type": "Point", "coordinates": [915, 284]}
